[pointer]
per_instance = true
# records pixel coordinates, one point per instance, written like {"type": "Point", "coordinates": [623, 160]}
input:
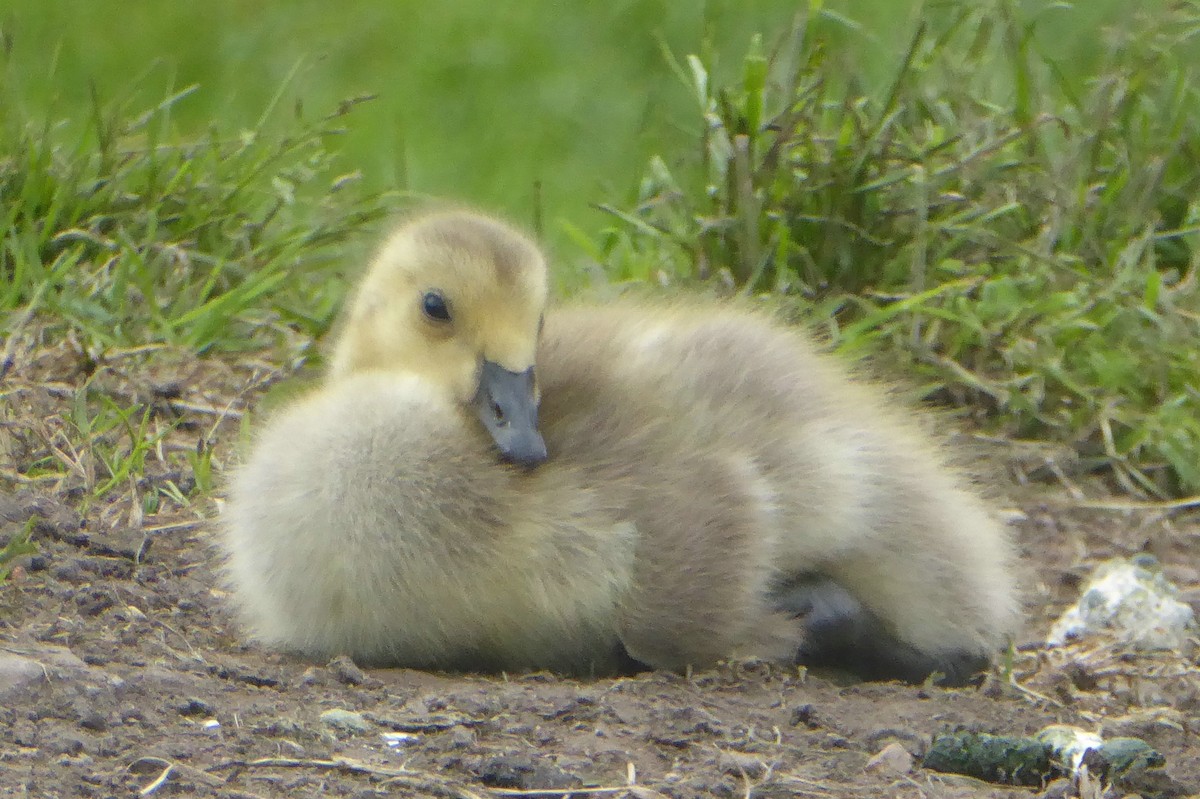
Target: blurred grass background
{"type": "Point", "coordinates": [474, 101]}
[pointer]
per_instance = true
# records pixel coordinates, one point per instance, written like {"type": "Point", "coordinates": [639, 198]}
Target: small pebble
{"type": "Point", "coordinates": [282, 727]}
{"type": "Point", "coordinates": [93, 720]}
{"type": "Point", "coordinates": [67, 746]}
{"type": "Point", "coordinates": [892, 760]}
{"type": "Point", "coordinates": [291, 747]}
{"type": "Point", "coordinates": [68, 571]}
{"type": "Point", "coordinates": [168, 389]}
{"type": "Point", "coordinates": [311, 676]}
{"type": "Point", "coordinates": [346, 671]}
{"type": "Point", "coordinates": [195, 707]}
{"type": "Point", "coordinates": [346, 720]}
{"type": "Point", "coordinates": [17, 672]}
{"type": "Point", "coordinates": [524, 773]}
{"type": "Point", "coordinates": [462, 738]}
{"type": "Point", "coordinates": [806, 715]}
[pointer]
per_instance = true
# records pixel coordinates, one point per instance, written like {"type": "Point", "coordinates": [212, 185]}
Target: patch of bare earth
{"type": "Point", "coordinates": [121, 673]}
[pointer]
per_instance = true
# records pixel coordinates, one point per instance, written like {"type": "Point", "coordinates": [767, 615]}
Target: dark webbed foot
{"type": "Point", "coordinates": [842, 634]}
{"type": "Point", "coordinates": [626, 664]}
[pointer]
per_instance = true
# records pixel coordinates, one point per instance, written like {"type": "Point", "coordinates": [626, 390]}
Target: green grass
{"type": "Point", "coordinates": [16, 547]}
{"type": "Point", "coordinates": [1030, 238]}
{"type": "Point", "coordinates": [214, 243]}
{"type": "Point", "coordinates": [1005, 192]}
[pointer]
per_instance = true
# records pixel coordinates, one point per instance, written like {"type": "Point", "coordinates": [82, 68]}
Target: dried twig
{"type": "Point", "coordinates": [168, 768]}
{"type": "Point", "coordinates": [1119, 504]}
{"type": "Point", "coordinates": [560, 791]}
{"type": "Point", "coordinates": [420, 781]}
{"type": "Point", "coordinates": [221, 413]}
{"type": "Point", "coordinates": [415, 780]}
{"type": "Point", "coordinates": [174, 526]}
{"type": "Point", "coordinates": [158, 781]}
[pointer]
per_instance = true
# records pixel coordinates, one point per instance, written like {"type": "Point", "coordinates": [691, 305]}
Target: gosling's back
{"type": "Point", "coordinates": [842, 484]}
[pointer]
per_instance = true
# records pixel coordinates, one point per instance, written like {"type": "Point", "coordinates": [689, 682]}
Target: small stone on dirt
{"type": "Point", "coordinates": [524, 774]}
{"type": "Point", "coordinates": [170, 388]}
{"type": "Point", "coordinates": [346, 721]}
{"type": "Point", "coordinates": [913, 743]}
{"type": "Point", "coordinates": [196, 707]}
{"type": "Point", "coordinates": [346, 671]}
{"type": "Point", "coordinates": [93, 720]}
{"type": "Point", "coordinates": [69, 571]}
{"type": "Point", "coordinates": [806, 715]}
{"type": "Point", "coordinates": [66, 746]}
{"type": "Point", "coordinates": [17, 672]}
{"type": "Point", "coordinates": [40, 661]}
{"type": "Point", "coordinates": [311, 676]}
{"type": "Point", "coordinates": [892, 760]}
{"type": "Point", "coordinates": [462, 738]}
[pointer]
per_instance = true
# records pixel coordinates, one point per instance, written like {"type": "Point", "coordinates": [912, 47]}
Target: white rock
{"type": "Point", "coordinates": [1070, 743]}
{"type": "Point", "coordinates": [1132, 600]}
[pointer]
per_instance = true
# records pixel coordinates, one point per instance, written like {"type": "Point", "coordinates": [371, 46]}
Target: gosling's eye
{"type": "Point", "coordinates": [434, 306]}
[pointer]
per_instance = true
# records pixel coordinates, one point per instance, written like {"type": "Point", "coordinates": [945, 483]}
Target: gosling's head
{"type": "Point", "coordinates": [457, 298]}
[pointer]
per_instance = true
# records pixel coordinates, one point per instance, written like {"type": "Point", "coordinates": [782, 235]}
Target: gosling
{"type": "Point", "coordinates": [482, 485]}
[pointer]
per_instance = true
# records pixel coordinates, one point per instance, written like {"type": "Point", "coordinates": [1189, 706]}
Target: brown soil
{"type": "Point", "coordinates": [121, 673]}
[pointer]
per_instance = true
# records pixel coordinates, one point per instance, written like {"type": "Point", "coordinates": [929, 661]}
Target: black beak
{"type": "Point", "coordinates": [507, 406]}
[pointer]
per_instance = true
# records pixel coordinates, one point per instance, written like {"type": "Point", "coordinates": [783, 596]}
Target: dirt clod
{"type": "Point", "coordinates": [346, 721]}
{"type": "Point", "coordinates": [523, 773]}
{"type": "Point", "coordinates": [195, 707]}
{"type": "Point", "coordinates": [806, 715]}
{"type": "Point", "coordinates": [346, 671]}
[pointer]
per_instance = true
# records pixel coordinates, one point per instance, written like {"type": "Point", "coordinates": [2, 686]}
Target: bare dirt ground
{"type": "Point", "coordinates": [121, 673]}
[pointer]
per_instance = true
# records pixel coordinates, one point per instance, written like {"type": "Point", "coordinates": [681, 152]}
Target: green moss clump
{"type": "Point", "coordinates": [1011, 760]}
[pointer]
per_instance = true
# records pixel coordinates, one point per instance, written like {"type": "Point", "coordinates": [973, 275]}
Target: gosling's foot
{"type": "Point", "coordinates": [842, 634]}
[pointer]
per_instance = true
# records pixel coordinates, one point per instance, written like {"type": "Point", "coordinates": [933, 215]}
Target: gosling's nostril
{"type": "Point", "coordinates": [498, 413]}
